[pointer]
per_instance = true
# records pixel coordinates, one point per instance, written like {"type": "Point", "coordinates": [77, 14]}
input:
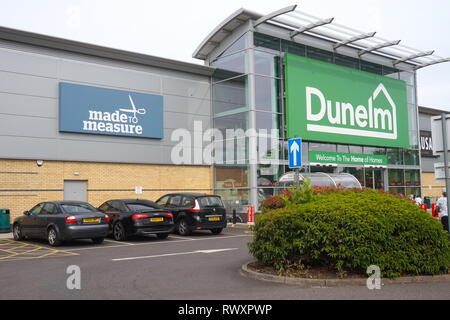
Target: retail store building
{"type": "Point", "coordinates": [105, 121]}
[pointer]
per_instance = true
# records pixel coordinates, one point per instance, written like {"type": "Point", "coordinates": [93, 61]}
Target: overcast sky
{"type": "Point", "coordinates": [174, 28]}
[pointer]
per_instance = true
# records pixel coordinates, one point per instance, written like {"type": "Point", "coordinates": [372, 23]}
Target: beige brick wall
{"type": "Point", "coordinates": [431, 188]}
{"type": "Point", "coordinates": [23, 184]}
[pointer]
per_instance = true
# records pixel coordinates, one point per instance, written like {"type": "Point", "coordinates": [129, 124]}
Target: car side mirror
{"type": "Point", "coordinates": [27, 213]}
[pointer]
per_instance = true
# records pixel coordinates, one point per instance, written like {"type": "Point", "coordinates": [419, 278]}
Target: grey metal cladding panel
{"type": "Point", "coordinates": [95, 74]}
{"type": "Point", "coordinates": [118, 140]}
{"type": "Point", "coordinates": [73, 150]}
{"type": "Point", "coordinates": [167, 156]}
{"type": "Point", "coordinates": [427, 164]}
{"type": "Point", "coordinates": [424, 122]}
{"type": "Point", "coordinates": [28, 105]}
{"type": "Point", "coordinates": [29, 63]}
{"type": "Point", "coordinates": [186, 88]}
{"type": "Point", "coordinates": [174, 120]}
{"type": "Point", "coordinates": [28, 85]}
{"type": "Point", "coordinates": [12, 125]}
{"type": "Point", "coordinates": [187, 105]}
{"type": "Point", "coordinates": [28, 148]}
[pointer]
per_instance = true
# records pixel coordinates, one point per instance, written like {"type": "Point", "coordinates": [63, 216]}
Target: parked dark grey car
{"type": "Point", "coordinates": [62, 221]}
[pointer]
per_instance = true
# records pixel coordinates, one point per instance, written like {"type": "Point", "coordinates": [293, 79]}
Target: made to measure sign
{"type": "Point", "coordinates": [327, 102]}
{"type": "Point", "coordinates": [347, 158]}
{"type": "Point", "coordinates": [86, 109]}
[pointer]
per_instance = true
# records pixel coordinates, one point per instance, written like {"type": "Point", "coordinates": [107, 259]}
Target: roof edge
{"type": "Point", "coordinates": [41, 40]}
{"type": "Point", "coordinates": [220, 26]}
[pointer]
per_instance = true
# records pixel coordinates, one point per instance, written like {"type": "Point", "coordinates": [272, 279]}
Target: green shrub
{"type": "Point", "coordinates": [351, 230]}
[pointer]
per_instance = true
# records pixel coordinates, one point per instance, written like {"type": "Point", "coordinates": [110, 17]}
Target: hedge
{"type": "Point", "coordinates": [351, 230]}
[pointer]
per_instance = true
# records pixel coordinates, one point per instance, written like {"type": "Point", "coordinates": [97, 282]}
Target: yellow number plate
{"type": "Point", "coordinates": [214, 219]}
{"type": "Point", "coordinates": [91, 220]}
{"type": "Point", "coordinates": [157, 219]}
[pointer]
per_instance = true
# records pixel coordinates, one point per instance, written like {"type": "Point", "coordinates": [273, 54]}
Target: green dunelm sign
{"type": "Point", "coordinates": [331, 103]}
{"type": "Point", "coordinates": [347, 158]}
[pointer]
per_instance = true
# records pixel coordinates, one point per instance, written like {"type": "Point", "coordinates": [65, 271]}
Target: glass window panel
{"type": "Point", "coordinates": [267, 94]}
{"type": "Point", "coordinates": [266, 42]}
{"type": "Point", "coordinates": [411, 157]}
{"type": "Point", "coordinates": [268, 175]}
{"type": "Point", "coordinates": [375, 151]}
{"type": "Point", "coordinates": [346, 61]}
{"type": "Point", "coordinates": [236, 62]}
{"type": "Point", "coordinates": [268, 121]}
{"type": "Point", "coordinates": [349, 149]}
{"type": "Point", "coordinates": [269, 149]}
{"type": "Point", "coordinates": [413, 191]}
{"type": "Point", "coordinates": [396, 177]}
{"type": "Point", "coordinates": [222, 74]}
{"type": "Point", "coordinates": [238, 45]}
{"type": "Point", "coordinates": [267, 63]}
{"type": "Point", "coordinates": [293, 47]}
{"type": "Point", "coordinates": [395, 156]}
{"type": "Point", "coordinates": [235, 199]}
{"type": "Point", "coordinates": [412, 178]}
{"type": "Point", "coordinates": [313, 146]}
{"type": "Point", "coordinates": [230, 95]}
{"type": "Point", "coordinates": [231, 177]}
{"type": "Point", "coordinates": [319, 54]}
{"type": "Point", "coordinates": [390, 72]}
{"type": "Point", "coordinates": [371, 67]}
{"type": "Point", "coordinates": [397, 190]}
{"type": "Point", "coordinates": [235, 121]}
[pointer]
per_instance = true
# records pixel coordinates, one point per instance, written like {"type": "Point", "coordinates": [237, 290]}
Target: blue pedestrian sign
{"type": "Point", "coordinates": [295, 153]}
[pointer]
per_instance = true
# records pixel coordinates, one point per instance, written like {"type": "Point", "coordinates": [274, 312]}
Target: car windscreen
{"type": "Point", "coordinates": [142, 206]}
{"type": "Point", "coordinates": [210, 201]}
{"type": "Point", "coordinates": [75, 208]}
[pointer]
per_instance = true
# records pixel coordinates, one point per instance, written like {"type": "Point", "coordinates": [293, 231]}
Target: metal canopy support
{"type": "Point", "coordinates": [273, 15]}
{"type": "Point", "coordinates": [380, 46]}
{"type": "Point", "coordinates": [414, 56]}
{"type": "Point", "coordinates": [354, 39]}
{"type": "Point", "coordinates": [432, 63]}
{"type": "Point", "coordinates": [311, 26]}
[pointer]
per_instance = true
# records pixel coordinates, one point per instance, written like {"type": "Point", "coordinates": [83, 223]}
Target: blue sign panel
{"type": "Point", "coordinates": [94, 110]}
{"type": "Point", "coordinates": [295, 153]}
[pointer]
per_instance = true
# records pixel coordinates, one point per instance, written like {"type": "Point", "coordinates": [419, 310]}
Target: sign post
{"type": "Point", "coordinates": [295, 157]}
{"type": "Point", "coordinates": [440, 144]}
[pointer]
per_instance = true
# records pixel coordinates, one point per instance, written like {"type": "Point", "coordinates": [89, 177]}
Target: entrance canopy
{"type": "Point", "coordinates": [321, 180]}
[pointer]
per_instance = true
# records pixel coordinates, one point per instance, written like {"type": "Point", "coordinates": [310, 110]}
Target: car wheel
{"type": "Point", "coordinates": [183, 228]}
{"type": "Point", "coordinates": [53, 238]}
{"type": "Point", "coordinates": [17, 232]}
{"type": "Point", "coordinates": [119, 233]}
{"type": "Point", "coordinates": [216, 231]}
{"type": "Point", "coordinates": [97, 240]}
{"type": "Point", "coordinates": [162, 235]}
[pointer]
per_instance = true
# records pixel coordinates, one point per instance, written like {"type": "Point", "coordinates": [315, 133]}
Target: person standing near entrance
{"type": "Point", "coordinates": [441, 205]}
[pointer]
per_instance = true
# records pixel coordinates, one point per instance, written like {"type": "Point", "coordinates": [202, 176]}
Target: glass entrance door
{"type": "Point", "coordinates": [374, 179]}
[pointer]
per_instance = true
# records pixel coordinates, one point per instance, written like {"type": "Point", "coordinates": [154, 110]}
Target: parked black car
{"type": "Point", "coordinates": [137, 217]}
{"type": "Point", "coordinates": [195, 211]}
{"type": "Point", "coordinates": [62, 221]}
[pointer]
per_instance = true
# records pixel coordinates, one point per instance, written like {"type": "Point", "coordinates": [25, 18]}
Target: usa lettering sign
{"type": "Point", "coordinates": [326, 102]}
{"type": "Point", "coordinates": [86, 109]}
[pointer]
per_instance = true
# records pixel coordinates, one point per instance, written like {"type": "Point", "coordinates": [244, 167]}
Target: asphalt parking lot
{"type": "Point", "coordinates": [201, 266]}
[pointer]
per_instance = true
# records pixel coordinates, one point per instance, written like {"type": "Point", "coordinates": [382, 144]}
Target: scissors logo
{"type": "Point", "coordinates": [134, 111]}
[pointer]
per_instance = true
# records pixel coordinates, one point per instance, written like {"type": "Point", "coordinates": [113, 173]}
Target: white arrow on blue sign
{"type": "Point", "coordinates": [295, 153]}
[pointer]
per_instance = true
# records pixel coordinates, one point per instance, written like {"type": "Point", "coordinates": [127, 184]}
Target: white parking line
{"type": "Point", "coordinates": [184, 238]}
{"type": "Point", "coordinates": [114, 241]}
{"type": "Point", "coordinates": [160, 242]}
{"type": "Point", "coordinates": [175, 254]}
